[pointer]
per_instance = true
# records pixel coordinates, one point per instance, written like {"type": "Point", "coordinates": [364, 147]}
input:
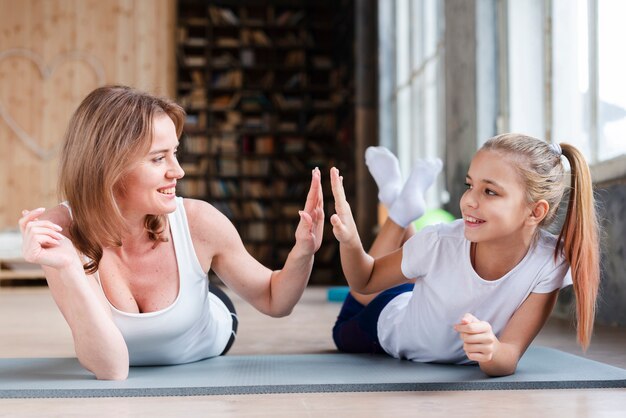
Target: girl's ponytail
{"type": "Point", "coordinates": [580, 243]}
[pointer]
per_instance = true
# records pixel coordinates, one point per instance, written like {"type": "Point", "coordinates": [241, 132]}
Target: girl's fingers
{"type": "Point", "coordinates": [337, 185]}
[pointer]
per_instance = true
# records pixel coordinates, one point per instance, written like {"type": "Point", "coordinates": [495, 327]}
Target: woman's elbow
{"type": "Point", "coordinates": [112, 371]}
{"type": "Point", "coordinates": [121, 374]}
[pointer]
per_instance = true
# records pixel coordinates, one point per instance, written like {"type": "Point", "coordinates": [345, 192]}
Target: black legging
{"type": "Point", "coordinates": [229, 305]}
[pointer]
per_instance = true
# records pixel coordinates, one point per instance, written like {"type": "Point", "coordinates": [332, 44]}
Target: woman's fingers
{"type": "Point", "coordinates": [314, 195]}
{"type": "Point", "coordinates": [29, 216]}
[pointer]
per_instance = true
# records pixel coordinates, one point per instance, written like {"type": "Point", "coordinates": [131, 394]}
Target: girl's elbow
{"type": "Point", "coordinates": [499, 371]}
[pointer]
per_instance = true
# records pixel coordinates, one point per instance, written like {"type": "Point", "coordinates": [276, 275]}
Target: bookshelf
{"type": "Point", "coordinates": [269, 93]}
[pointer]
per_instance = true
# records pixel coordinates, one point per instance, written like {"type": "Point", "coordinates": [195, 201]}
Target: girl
{"type": "Point", "coordinates": [484, 284]}
{"type": "Point", "coordinates": [127, 261]}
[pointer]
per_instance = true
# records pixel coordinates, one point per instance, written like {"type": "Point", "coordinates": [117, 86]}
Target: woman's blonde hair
{"type": "Point", "coordinates": [542, 170]}
{"type": "Point", "coordinates": [111, 128]}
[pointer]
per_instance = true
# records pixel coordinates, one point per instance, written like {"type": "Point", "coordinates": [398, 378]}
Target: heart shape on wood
{"type": "Point", "coordinates": [45, 71]}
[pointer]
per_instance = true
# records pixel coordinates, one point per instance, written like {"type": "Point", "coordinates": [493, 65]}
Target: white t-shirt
{"type": "Point", "coordinates": [418, 325]}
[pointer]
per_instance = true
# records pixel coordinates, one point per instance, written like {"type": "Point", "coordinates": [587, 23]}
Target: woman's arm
{"type": "Point", "coordinates": [99, 345]}
{"type": "Point", "coordinates": [219, 246]}
{"type": "Point", "coordinates": [499, 357]}
{"type": "Point", "coordinates": [364, 273]}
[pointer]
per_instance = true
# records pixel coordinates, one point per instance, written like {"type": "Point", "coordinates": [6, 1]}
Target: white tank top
{"type": "Point", "coordinates": [197, 325]}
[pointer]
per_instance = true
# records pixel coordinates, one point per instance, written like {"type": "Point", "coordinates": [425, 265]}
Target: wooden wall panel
{"type": "Point", "coordinates": [52, 53]}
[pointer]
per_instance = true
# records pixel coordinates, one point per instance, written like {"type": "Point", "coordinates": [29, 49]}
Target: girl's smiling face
{"type": "Point", "coordinates": [494, 206]}
{"type": "Point", "coordinates": [149, 187]}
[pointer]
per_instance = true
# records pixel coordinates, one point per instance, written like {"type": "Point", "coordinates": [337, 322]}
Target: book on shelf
{"type": "Point", "coordinates": [321, 123]}
{"type": "Point", "coordinates": [230, 121]}
{"type": "Point", "coordinates": [322, 62]}
{"type": "Point", "coordinates": [227, 79]}
{"type": "Point", "coordinates": [256, 231]}
{"type": "Point", "coordinates": [254, 210]}
{"type": "Point", "coordinates": [285, 101]}
{"type": "Point", "coordinates": [225, 101]}
{"type": "Point", "coordinates": [222, 188]}
{"type": "Point", "coordinates": [225, 144]}
{"type": "Point", "coordinates": [192, 187]}
{"type": "Point", "coordinates": [264, 144]}
{"type": "Point", "coordinates": [196, 144]}
{"type": "Point", "coordinates": [254, 37]}
{"type": "Point", "coordinates": [294, 58]}
{"type": "Point", "coordinates": [287, 126]}
{"type": "Point", "coordinates": [295, 81]}
{"type": "Point", "coordinates": [196, 99]}
{"type": "Point", "coordinates": [255, 189]}
{"type": "Point", "coordinates": [228, 167]}
{"type": "Point", "coordinates": [290, 167]}
{"type": "Point", "coordinates": [293, 144]}
{"type": "Point", "coordinates": [194, 60]}
{"type": "Point", "coordinates": [290, 18]}
{"type": "Point", "coordinates": [255, 102]}
{"type": "Point", "coordinates": [223, 16]}
{"type": "Point", "coordinates": [195, 122]}
{"type": "Point", "coordinates": [256, 167]}
{"type": "Point", "coordinates": [227, 42]}
{"type": "Point", "coordinates": [223, 60]}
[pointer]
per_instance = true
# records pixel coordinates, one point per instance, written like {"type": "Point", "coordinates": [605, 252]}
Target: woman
{"type": "Point", "coordinates": [127, 261]}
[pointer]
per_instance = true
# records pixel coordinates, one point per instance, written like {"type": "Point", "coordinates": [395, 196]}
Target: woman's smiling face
{"type": "Point", "coordinates": [148, 188]}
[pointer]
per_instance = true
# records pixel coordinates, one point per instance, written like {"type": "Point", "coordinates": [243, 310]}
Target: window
{"type": "Point", "coordinates": [411, 83]}
{"type": "Point", "coordinates": [568, 84]}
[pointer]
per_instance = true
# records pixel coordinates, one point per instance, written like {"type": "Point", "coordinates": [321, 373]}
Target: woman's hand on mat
{"type": "Point", "coordinates": [42, 241]}
{"type": "Point", "coordinates": [311, 226]}
{"type": "Point", "coordinates": [344, 227]}
{"type": "Point", "coordinates": [479, 341]}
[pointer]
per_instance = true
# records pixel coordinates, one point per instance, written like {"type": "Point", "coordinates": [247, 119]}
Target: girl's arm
{"type": "Point", "coordinates": [99, 345]}
{"type": "Point", "coordinates": [499, 356]}
{"type": "Point", "coordinates": [274, 293]}
{"type": "Point", "coordinates": [364, 273]}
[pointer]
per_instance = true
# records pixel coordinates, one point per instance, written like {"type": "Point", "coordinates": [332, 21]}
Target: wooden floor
{"type": "Point", "coordinates": [31, 326]}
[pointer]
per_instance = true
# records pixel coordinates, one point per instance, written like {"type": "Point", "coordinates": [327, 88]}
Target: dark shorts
{"type": "Point", "coordinates": [356, 329]}
{"type": "Point", "coordinates": [231, 307]}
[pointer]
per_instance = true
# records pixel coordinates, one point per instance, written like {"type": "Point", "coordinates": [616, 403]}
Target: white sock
{"type": "Point", "coordinates": [385, 169]}
{"type": "Point", "coordinates": [410, 204]}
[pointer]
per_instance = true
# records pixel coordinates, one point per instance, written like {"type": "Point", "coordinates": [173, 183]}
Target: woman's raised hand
{"type": "Point", "coordinates": [311, 226]}
{"type": "Point", "coordinates": [42, 241]}
{"type": "Point", "coordinates": [344, 227]}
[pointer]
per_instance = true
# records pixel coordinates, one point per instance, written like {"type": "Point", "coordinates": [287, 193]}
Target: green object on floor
{"type": "Point", "coordinates": [432, 217]}
{"type": "Point", "coordinates": [338, 293]}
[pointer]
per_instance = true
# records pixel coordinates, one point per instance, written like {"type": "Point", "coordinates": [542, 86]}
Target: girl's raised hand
{"type": "Point", "coordinates": [344, 227]}
{"type": "Point", "coordinates": [311, 226]}
{"type": "Point", "coordinates": [42, 241]}
{"type": "Point", "coordinates": [479, 341]}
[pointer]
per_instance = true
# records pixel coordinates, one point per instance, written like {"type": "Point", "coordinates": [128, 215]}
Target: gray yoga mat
{"type": "Point", "coordinates": [540, 368]}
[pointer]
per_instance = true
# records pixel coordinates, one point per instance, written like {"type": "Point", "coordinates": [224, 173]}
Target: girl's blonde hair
{"type": "Point", "coordinates": [111, 128]}
{"type": "Point", "coordinates": [542, 170]}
